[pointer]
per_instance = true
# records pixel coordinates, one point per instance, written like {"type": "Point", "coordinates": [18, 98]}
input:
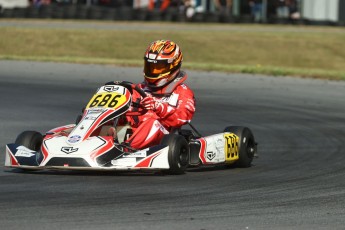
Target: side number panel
{"type": "Point", "coordinates": [107, 100]}
{"type": "Point", "coordinates": [231, 147]}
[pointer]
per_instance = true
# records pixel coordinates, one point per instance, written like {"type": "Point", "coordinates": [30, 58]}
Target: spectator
{"type": "Point", "coordinates": [282, 9]}
{"type": "Point", "coordinates": [294, 13]}
{"type": "Point", "coordinates": [223, 6]}
{"type": "Point", "coordinates": [160, 4]}
{"type": "Point", "coordinates": [38, 3]}
{"type": "Point", "coordinates": [46, 2]}
{"type": "Point", "coordinates": [189, 9]}
{"type": "Point", "coordinates": [198, 6]}
{"type": "Point", "coordinates": [137, 4]}
{"type": "Point", "coordinates": [256, 9]}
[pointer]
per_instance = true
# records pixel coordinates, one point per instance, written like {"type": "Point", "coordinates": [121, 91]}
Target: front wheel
{"type": "Point", "coordinates": [30, 139]}
{"type": "Point", "coordinates": [178, 154]}
{"type": "Point", "coordinates": [246, 145]}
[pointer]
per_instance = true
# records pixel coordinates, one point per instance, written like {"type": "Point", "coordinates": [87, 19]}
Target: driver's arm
{"type": "Point", "coordinates": [178, 114]}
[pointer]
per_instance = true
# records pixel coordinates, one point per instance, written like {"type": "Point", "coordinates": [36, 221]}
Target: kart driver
{"type": "Point", "coordinates": [169, 102]}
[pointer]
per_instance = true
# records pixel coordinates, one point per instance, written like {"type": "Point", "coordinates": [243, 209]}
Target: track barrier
{"type": "Point", "coordinates": [126, 13]}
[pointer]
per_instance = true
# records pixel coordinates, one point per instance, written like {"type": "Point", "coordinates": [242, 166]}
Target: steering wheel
{"type": "Point", "coordinates": [140, 91]}
{"type": "Point", "coordinates": [130, 86]}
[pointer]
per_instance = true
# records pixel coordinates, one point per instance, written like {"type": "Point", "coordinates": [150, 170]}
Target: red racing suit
{"type": "Point", "coordinates": [178, 107]}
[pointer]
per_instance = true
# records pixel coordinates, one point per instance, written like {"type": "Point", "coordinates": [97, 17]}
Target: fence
{"type": "Point", "coordinates": [125, 13]}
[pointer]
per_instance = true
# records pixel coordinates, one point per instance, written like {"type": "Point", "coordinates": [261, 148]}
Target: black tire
{"type": "Point", "coordinates": [246, 145]}
{"type": "Point", "coordinates": [178, 155]}
{"type": "Point", "coordinates": [30, 139]}
{"type": "Point", "coordinates": [78, 119]}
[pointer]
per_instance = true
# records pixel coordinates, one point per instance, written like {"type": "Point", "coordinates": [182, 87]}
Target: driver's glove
{"type": "Point", "coordinates": [149, 103]}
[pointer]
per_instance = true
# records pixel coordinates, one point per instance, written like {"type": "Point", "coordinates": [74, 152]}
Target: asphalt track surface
{"type": "Point", "coordinates": [296, 183]}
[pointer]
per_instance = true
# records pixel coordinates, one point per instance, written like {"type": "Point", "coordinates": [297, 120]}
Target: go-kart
{"type": "Point", "coordinates": [97, 142]}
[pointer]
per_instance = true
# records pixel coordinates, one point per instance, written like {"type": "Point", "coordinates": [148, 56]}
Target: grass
{"type": "Point", "coordinates": [316, 52]}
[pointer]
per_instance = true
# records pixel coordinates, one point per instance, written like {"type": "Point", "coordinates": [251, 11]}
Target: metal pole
{"type": "Point", "coordinates": [236, 7]}
{"type": "Point", "coordinates": [88, 3]}
{"type": "Point", "coordinates": [264, 11]}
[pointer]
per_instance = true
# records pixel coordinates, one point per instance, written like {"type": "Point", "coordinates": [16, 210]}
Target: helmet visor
{"type": "Point", "coordinates": [154, 70]}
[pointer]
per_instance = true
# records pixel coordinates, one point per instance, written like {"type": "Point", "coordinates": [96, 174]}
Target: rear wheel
{"type": "Point", "coordinates": [246, 145]}
{"type": "Point", "coordinates": [178, 154]}
{"type": "Point", "coordinates": [30, 139]}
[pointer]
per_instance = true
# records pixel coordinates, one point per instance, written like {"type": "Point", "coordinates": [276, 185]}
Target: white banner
{"type": "Point", "coordinates": [140, 4]}
{"type": "Point", "coordinates": [321, 10]}
{"type": "Point", "coordinates": [7, 4]}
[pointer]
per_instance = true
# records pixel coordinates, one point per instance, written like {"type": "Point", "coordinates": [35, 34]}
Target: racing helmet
{"type": "Point", "coordinates": [162, 63]}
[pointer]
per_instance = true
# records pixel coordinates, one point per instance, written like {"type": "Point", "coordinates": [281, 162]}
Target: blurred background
{"type": "Point", "coordinates": [318, 12]}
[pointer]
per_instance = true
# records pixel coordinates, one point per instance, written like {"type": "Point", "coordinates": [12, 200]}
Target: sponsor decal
{"type": "Point", "coordinates": [124, 162]}
{"type": "Point", "coordinates": [161, 127]}
{"type": "Point", "coordinates": [184, 86]}
{"type": "Point", "coordinates": [22, 151]}
{"type": "Point", "coordinates": [164, 99]}
{"type": "Point", "coordinates": [177, 79]}
{"type": "Point", "coordinates": [150, 60]}
{"type": "Point", "coordinates": [95, 111]}
{"type": "Point", "coordinates": [211, 155]}
{"type": "Point", "coordinates": [110, 88]}
{"type": "Point", "coordinates": [74, 139]}
{"type": "Point", "coordinates": [69, 150]}
{"type": "Point", "coordinates": [90, 118]}
{"type": "Point", "coordinates": [173, 100]}
{"type": "Point", "coordinates": [219, 145]}
{"type": "Point", "coordinates": [136, 154]}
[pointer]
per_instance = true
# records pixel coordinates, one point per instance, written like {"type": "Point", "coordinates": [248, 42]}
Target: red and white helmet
{"type": "Point", "coordinates": [163, 60]}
